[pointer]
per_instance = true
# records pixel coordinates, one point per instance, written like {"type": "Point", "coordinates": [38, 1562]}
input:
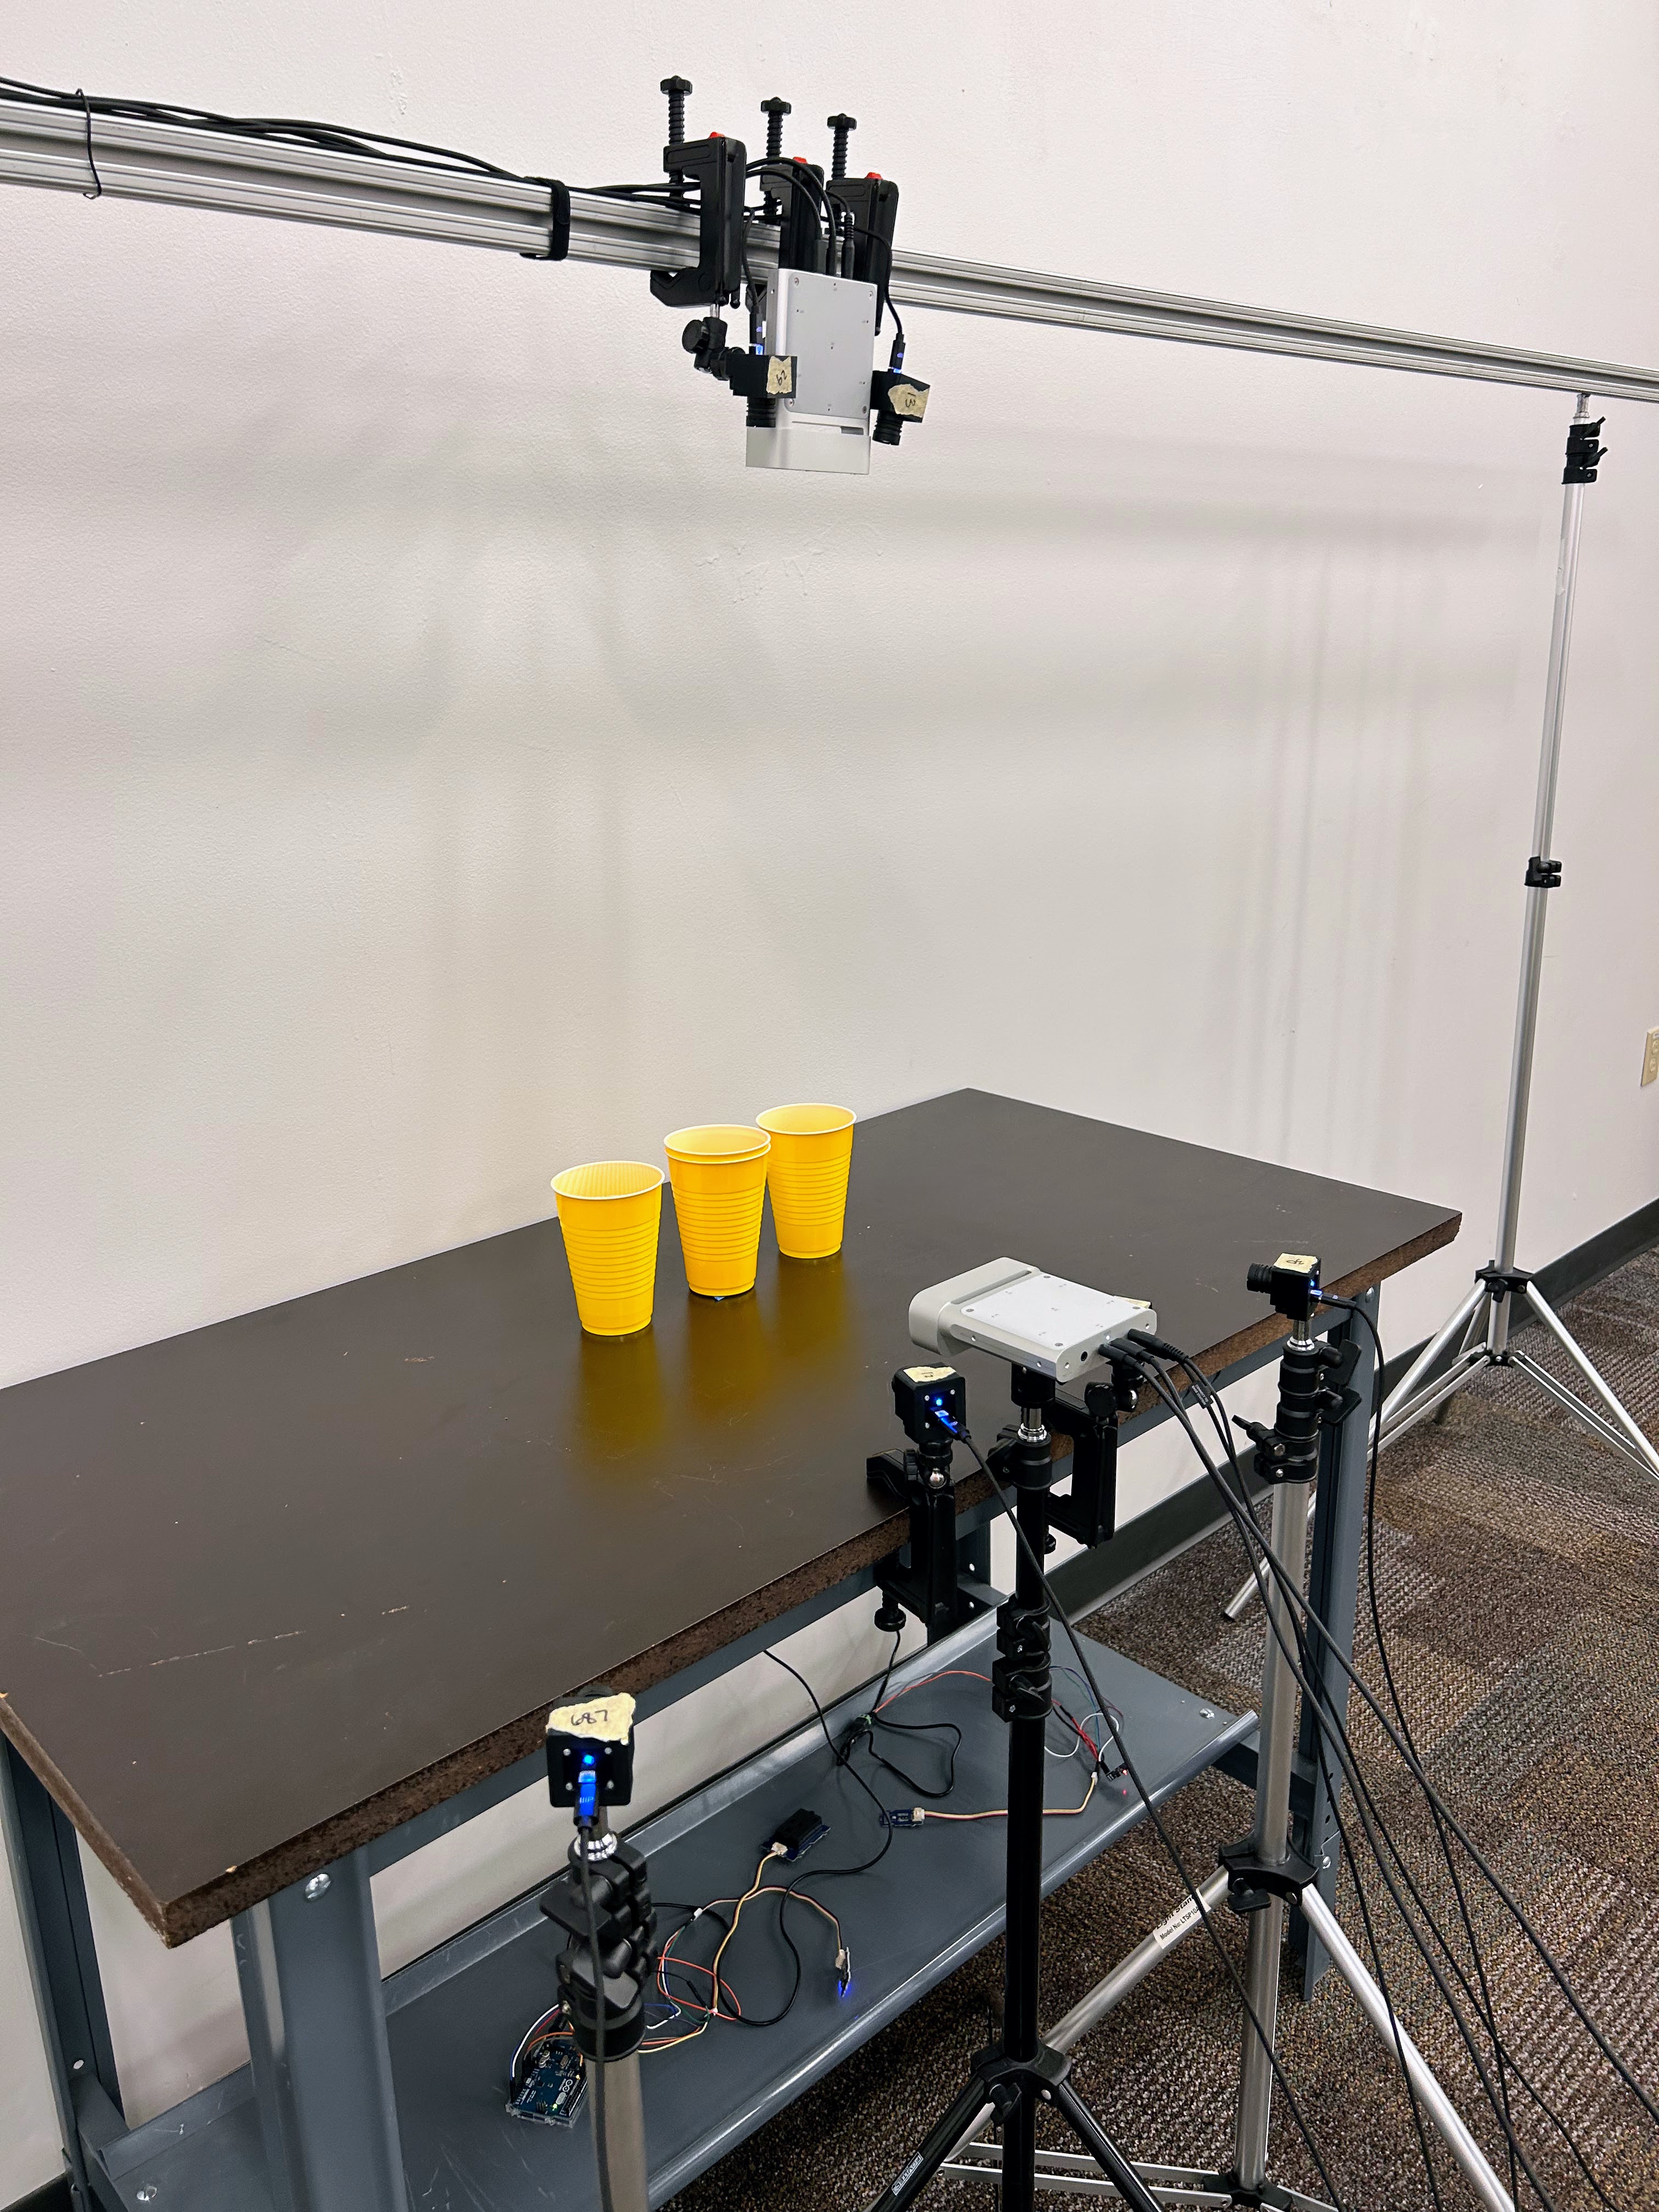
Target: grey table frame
{"type": "Point", "coordinates": [307, 1959]}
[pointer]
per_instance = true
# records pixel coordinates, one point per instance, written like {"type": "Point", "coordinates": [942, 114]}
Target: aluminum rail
{"type": "Point", "coordinates": [190, 168]}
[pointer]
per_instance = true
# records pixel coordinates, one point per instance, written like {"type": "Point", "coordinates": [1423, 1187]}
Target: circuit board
{"type": "Point", "coordinates": [554, 2088]}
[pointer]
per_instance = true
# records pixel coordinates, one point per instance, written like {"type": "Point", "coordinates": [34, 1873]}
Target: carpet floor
{"type": "Point", "coordinates": [1517, 1573]}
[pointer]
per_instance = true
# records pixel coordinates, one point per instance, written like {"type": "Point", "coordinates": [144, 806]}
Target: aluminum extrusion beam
{"type": "Point", "coordinates": [190, 168]}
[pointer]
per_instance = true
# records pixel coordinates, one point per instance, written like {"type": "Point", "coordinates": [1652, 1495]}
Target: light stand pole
{"type": "Point", "coordinates": [1480, 1330]}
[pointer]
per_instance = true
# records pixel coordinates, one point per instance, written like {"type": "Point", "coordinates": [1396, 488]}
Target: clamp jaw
{"type": "Point", "coordinates": [1090, 1513]}
{"type": "Point", "coordinates": [932, 1404]}
{"type": "Point", "coordinates": [717, 168]}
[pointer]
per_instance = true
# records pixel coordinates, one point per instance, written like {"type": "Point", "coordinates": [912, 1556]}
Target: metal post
{"type": "Point", "coordinates": [310, 1970]}
{"type": "Point", "coordinates": [1532, 941]}
{"type": "Point", "coordinates": [1339, 1533]}
{"type": "Point", "coordinates": [624, 2135]}
{"type": "Point", "coordinates": [1288, 1538]}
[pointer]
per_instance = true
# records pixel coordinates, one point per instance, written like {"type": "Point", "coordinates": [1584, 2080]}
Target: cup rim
{"type": "Point", "coordinates": [847, 1119]}
{"type": "Point", "coordinates": [652, 1178]}
{"type": "Point", "coordinates": [676, 1151]}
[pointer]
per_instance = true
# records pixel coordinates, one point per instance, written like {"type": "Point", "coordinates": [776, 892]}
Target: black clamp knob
{"type": "Point", "coordinates": [676, 87]}
{"type": "Point", "coordinates": [843, 126]}
{"type": "Point", "coordinates": [774, 110]}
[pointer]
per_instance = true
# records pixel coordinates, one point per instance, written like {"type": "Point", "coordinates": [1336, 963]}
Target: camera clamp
{"type": "Point", "coordinates": [930, 1582]}
{"type": "Point", "coordinates": [813, 263]}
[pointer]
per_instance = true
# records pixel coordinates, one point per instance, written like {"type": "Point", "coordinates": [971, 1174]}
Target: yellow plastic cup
{"type": "Point", "coordinates": [609, 1212]}
{"type": "Point", "coordinates": [719, 1174]}
{"type": "Point", "coordinates": [806, 1173]}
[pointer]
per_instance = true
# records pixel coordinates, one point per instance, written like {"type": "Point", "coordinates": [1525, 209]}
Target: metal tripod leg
{"type": "Point", "coordinates": [1432, 1395]}
{"type": "Point", "coordinates": [1455, 1331]}
{"type": "Point", "coordinates": [1129, 1972]}
{"type": "Point", "coordinates": [1429, 2093]}
{"type": "Point", "coordinates": [1631, 1442]}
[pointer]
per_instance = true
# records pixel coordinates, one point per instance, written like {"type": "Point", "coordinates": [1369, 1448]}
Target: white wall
{"type": "Point", "coordinates": [429, 758]}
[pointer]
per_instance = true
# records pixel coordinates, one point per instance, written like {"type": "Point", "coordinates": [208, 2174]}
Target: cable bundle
{"type": "Point", "coordinates": [1464, 1988]}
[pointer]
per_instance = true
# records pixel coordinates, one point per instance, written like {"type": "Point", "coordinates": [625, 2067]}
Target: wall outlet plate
{"type": "Point", "coordinates": [1650, 1058]}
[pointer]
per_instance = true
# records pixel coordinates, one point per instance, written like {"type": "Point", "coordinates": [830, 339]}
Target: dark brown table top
{"type": "Point", "coordinates": [268, 1588]}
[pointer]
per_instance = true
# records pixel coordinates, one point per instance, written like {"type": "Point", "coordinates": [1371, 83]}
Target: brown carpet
{"type": "Point", "coordinates": [1518, 1577]}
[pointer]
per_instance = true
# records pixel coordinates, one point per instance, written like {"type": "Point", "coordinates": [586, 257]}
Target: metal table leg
{"type": "Point", "coordinates": [310, 1971]}
{"type": "Point", "coordinates": [52, 1908]}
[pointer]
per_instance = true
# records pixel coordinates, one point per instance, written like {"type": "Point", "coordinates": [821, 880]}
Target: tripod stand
{"type": "Point", "coordinates": [1479, 1332]}
{"type": "Point", "coordinates": [1013, 2079]}
{"type": "Point", "coordinates": [1259, 1876]}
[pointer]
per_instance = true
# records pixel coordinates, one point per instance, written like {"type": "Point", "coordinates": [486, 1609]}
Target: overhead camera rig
{"type": "Point", "coordinates": [812, 265]}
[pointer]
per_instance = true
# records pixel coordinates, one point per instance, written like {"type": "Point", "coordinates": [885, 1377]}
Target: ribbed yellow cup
{"type": "Point", "coordinates": [719, 1174]}
{"type": "Point", "coordinates": [610, 1211]}
{"type": "Point", "coordinates": [806, 1172]}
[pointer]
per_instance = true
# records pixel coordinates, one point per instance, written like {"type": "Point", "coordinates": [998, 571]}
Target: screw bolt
{"type": "Point", "coordinates": [676, 87]}
{"type": "Point", "coordinates": [843, 126]}
{"type": "Point", "coordinates": [147, 2194]}
{"type": "Point", "coordinates": [775, 110]}
{"type": "Point", "coordinates": [318, 1886]}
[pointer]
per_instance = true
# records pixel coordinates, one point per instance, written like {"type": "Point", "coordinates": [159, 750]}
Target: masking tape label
{"type": "Point", "coordinates": [605, 1720]}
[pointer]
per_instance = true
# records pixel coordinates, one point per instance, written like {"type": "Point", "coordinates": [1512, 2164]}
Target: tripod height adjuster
{"type": "Point", "coordinates": [1585, 455]}
{"type": "Point", "coordinates": [1543, 875]}
{"type": "Point", "coordinates": [1021, 1687]}
{"type": "Point", "coordinates": [1503, 1282]}
{"type": "Point", "coordinates": [1254, 1881]}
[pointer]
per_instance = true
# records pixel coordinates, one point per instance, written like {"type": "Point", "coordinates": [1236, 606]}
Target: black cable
{"type": "Point", "coordinates": [1506, 2061]}
{"type": "Point", "coordinates": [917, 1728]}
{"type": "Point", "coordinates": [1337, 1729]}
{"type": "Point", "coordinates": [601, 2149]}
{"type": "Point", "coordinates": [1371, 1819]}
{"type": "Point", "coordinates": [326, 137]}
{"type": "Point", "coordinates": [97, 192]}
{"type": "Point", "coordinates": [1488, 2007]}
{"type": "Point", "coordinates": [1145, 1796]}
{"type": "Point", "coordinates": [1415, 1768]}
{"type": "Point", "coordinates": [842, 1755]}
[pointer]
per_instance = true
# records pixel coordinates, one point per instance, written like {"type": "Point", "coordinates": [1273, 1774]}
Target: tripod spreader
{"type": "Point", "coordinates": [1254, 1881]}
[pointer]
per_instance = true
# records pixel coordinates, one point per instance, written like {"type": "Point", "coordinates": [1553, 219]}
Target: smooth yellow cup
{"type": "Point", "coordinates": [610, 1211]}
{"type": "Point", "coordinates": [719, 1174]}
{"type": "Point", "coordinates": [806, 1172]}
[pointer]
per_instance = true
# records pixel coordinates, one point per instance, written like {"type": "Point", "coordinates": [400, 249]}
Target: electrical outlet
{"type": "Point", "coordinates": [1650, 1058]}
